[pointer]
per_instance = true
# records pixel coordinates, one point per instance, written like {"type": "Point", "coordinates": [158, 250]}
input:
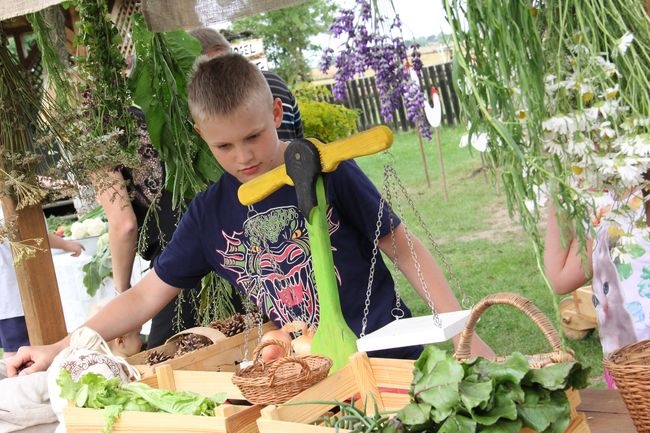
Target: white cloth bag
{"type": "Point", "coordinates": [87, 352]}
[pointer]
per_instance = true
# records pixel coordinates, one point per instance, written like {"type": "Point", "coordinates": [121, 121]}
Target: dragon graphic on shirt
{"type": "Point", "coordinates": [271, 260]}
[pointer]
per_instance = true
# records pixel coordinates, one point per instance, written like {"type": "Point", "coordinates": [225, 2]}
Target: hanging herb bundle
{"type": "Point", "coordinates": [372, 42]}
{"type": "Point", "coordinates": [92, 99]}
{"type": "Point", "coordinates": [113, 130]}
{"type": "Point", "coordinates": [159, 79]}
{"type": "Point", "coordinates": [561, 90]}
{"type": "Point", "coordinates": [27, 166]}
{"type": "Point", "coordinates": [48, 27]}
{"type": "Point", "coordinates": [22, 158]}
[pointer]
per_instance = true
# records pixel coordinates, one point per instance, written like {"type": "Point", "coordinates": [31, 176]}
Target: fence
{"type": "Point", "coordinates": [363, 96]}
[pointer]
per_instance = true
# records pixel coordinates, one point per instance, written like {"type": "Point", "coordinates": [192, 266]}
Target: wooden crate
{"type": "Point", "coordinates": [229, 418]}
{"type": "Point", "coordinates": [221, 356]}
{"type": "Point", "coordinates": [387, 381]}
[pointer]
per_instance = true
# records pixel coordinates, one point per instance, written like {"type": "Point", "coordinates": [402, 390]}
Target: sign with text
{"type": "Point", "coordinates": [253, 49]}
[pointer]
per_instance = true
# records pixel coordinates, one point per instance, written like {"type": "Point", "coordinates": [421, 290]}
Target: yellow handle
{"type": "Point", "coordinates": [331, 155]}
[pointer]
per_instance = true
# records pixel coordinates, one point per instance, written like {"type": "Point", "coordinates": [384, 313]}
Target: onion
{"type": "Point", "coordinates": [275, 351]}
{"type": "Point", "coordinates": [301, 345]}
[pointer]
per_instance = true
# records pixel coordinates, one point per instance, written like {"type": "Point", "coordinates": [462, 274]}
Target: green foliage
{"type": "Point", "coordinates": [107, 96]}
{"type": "Point", "coordinates": [323, 120]}
{"type": "Point", "coordinates": [286, 34]}
{"type": "Point", "coordinates": [158, 83]}
{"type": "Point", "coordinates": [510, 55]}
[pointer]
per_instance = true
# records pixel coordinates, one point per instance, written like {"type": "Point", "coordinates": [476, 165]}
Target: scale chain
{"type": "Point", "coordinates": [434, 244]}
{"type": "Point", "coordinates": [423, 284]}
{"type": "Point", "coordinates": [373, 263]}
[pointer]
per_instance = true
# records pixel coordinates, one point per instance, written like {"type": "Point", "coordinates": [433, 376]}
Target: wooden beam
{"type": "Point", "coordinates": [39, 291]}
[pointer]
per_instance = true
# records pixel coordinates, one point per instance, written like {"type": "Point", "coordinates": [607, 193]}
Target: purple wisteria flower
{"type": "Point", "coordinates": [381, 51]}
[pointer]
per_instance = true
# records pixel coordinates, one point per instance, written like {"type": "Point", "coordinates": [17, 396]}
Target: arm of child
{"type": "Point", "coordinates": [441, 294]}
{"type": "Point", "coordinates": [71, 246]}
{"type": "Point", "coordinates": [121, 315]}
{"type": "Point", "coordinates": [122, 229]}
{"type": "Point", "coordinates": [563, 265]}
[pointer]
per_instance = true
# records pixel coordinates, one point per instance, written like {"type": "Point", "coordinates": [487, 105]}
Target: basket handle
{"type": "Point", "coordinates": [518, 301]}
{"type": "Point", "coordinates": [305, 370]}
{"type": "Point", "coordinates": [271, 342]}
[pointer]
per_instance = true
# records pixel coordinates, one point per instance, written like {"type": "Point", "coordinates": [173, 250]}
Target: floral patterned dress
{"type": "Point", "coordinates": [621, 265]}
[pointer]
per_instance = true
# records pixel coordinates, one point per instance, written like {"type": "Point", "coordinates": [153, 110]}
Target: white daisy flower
{"type": "Point", "coordinates": [623, 44]}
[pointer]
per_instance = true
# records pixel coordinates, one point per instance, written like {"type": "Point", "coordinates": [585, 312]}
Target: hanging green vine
{"type": "Point", "coordinates": [53, 55]}
{"type": "Point", "coordinates": [561, 88]}
{"type": "Point", "coordinates": [159, 79]}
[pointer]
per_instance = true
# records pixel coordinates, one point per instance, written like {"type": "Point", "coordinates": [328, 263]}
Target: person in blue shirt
{"type": "Point", "coordinates": [263, 249]}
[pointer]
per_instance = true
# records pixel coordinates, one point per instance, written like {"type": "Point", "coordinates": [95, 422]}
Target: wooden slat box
{"type": "Point", "coordinates": [229, 418]}
{"type": "Point", "coordinates": [220, 356]}
{"type": "Point", "coordinates": [385, 380]}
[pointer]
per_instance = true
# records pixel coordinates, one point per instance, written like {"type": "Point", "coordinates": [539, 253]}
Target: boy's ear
{"type": "Point", "coordinates": [197, 129]}
{"type": "Point", "coordinates": [278, 113]}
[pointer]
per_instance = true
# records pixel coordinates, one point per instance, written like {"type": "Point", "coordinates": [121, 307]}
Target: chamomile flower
{"type": "Point", "coordinates": [606, 131]}
{"type": "Point", "coordinates": [624, 43]}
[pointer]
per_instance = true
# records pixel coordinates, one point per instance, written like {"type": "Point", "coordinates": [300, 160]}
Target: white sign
{"type": "Point", "coordinates": [253, 49]}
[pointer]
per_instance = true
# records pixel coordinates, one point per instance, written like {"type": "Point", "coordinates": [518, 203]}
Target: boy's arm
{"type": "Point", "coordinates": [71, 246]}
{"type": "Point", "coordinates": [120, 316]}
{"type": "Point", "coordinates": [441, 294]}
{"type": "Point", "coordinates": [563, 265]}
{"type": "Point", "coordinates": [122, 229]}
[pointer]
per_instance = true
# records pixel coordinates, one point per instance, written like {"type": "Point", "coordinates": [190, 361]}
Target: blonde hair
{"type": "Point", "coordinates": [221, 85]}
{"type": "Point", "coordinates": [210, 40]}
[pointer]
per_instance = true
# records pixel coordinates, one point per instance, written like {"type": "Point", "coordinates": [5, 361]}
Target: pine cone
{"type": "Point", "coordinates": [230, 326]}
{"type": "Point", "coordinates": [190, 343]}
{"type": "Point", "coordinates": [156, 357]}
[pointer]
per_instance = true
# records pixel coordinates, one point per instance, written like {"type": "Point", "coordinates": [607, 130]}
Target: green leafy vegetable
{"type": "Point", "coordinates": [97, 270]}
{"type": "Point", "coordinates": [486, 396]}
{"type": "Point", "coordinates": [95, 391]}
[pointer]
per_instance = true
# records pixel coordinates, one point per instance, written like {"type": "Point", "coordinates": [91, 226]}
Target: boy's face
{"type": "Point", "coordinates": [245, 142]}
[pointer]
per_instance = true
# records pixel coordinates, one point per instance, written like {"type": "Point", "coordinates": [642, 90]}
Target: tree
{"type": "Point", "coordinates": [286, 34]}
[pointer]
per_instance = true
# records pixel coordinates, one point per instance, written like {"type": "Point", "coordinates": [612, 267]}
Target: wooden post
{"type": "Point", "coordinates": [39, 291]}
{"type": "Point", "coordinates": [424, 162]}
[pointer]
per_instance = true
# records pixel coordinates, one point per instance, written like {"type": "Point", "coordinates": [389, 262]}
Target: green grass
{"type": "Point", "coordinates": [485, 248]}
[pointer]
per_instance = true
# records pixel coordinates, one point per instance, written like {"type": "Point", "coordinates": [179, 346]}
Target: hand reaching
{"type": "Point", "coordinates": [75, 248]}
{"type": "Point", "coordinates": [30, 359]}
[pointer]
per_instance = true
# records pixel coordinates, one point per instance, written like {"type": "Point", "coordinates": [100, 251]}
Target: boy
{"type": "Point", "coordinates": [263, 249]}
{"type": "Point", "coordinates": [213, 43]}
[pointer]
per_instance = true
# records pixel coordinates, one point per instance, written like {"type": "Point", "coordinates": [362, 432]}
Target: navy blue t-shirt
{"type": "Point", "coordinates": [264, 251]}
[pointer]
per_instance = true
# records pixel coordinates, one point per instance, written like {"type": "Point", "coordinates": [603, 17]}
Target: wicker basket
{"type": "Point", "coordinates": [281, 379]}
{"type": "Point", "coordinates": [630, 367]}
{"type": "Point", "coordinates": [539, 360]}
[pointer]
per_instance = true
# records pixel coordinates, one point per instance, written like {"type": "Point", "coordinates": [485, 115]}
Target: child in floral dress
{"type": "Point", "coordinates": [617, 261]}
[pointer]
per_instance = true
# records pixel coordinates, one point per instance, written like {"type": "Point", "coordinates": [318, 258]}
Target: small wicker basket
{"type": "Point", "coordinates": [630, 367]}
{"type": "Point", "coordinates": [539, 360]}
{"type": "Point", "coordinates": [279, 380]}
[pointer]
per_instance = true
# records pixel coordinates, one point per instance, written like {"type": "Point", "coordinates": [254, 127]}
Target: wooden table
{"type": "Point", "coordinates": [605, 411]}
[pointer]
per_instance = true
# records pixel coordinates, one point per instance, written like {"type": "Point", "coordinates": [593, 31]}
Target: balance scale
{"type": "Point", "coordinates": [305, 161]}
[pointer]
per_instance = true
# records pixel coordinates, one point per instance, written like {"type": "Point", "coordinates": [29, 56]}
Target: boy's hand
{"type": "Point", "coordinates": [30, 359]}
{"type": "Point", "coordinates": [74, 247]}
